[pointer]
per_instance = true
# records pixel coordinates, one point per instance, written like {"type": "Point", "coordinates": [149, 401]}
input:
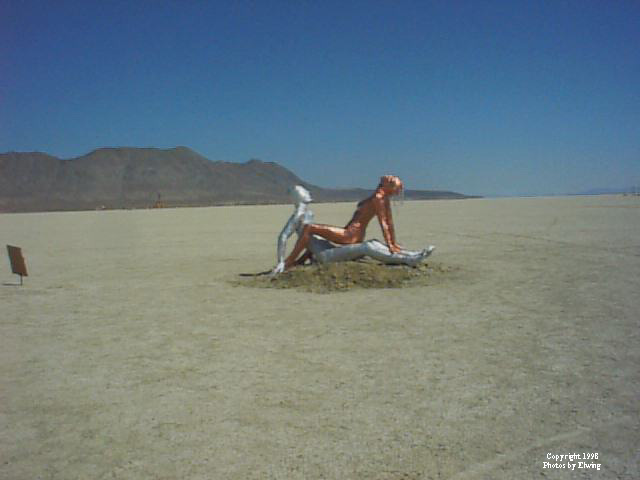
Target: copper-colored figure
{"type": "Point", "coordinates": [377, 204]}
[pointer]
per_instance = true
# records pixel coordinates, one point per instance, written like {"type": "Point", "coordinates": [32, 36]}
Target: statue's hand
{"type": "Point", "coordinates": [395, 248]}
{"type": "Point", "coordinates": [278, 268]}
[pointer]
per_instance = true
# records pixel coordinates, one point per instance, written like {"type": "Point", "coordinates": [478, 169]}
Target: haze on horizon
{"type": "Point", "coordinates": [489, 98]}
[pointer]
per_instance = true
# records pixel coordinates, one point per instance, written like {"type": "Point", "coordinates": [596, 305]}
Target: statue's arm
{"type": "Point", "coordinates": [286, 232]}
{"type": "Point", "coordinates": [392, 229]}
{"type": "Point", "coordinates": [383, 212]}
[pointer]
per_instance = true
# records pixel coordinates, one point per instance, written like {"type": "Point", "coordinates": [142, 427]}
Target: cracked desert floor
{"type": "Point", "coordinates": [131, 353]}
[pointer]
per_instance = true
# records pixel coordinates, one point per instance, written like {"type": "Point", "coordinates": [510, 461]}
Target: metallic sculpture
{"type": "Point", "coordinates": [315, 238]}
{"type": "Point", "coordinates": [302, 215]}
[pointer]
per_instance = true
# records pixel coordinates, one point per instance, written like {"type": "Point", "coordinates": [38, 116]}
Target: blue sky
{"type": "Point", "coordinates": [485, 97]}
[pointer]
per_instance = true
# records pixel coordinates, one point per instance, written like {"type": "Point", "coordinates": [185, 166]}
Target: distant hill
{"type": "Point", "coordinates": [609, 191]}
{"type": "Point", "coordinates": [141, 177]}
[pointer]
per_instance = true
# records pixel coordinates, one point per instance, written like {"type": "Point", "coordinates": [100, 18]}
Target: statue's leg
{"type": "Point", "coordinates": [317, 245]}
{"type": "Point", "coordinates": [342, 253]}
{"type": "Point", "coordinates": [301, 244]}
{"type": "Point", "coordinates": [305, 256]}
{"type": "Point", "coordinates": [379, 251]}
{"type": "Point", "coordinates": [374, 249]}
{"type": "Point", "coordinates": [383, 248]}
{"type": "Point", "coordinates": [333, 234]}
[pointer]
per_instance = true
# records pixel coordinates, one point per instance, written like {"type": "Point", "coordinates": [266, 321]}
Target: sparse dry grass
{"type": "Point", "coordinates": [345, 276]}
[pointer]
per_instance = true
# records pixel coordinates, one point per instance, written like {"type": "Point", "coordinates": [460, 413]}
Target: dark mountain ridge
{"type": "Point", "coordinates": [143, 177]}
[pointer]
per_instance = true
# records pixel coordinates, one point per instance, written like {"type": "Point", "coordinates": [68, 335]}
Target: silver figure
{"type": "Point", "coordinates": [324, 251]}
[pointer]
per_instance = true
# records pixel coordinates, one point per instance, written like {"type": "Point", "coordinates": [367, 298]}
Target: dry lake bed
{"type": "Point", "coordinates": [131, 351]}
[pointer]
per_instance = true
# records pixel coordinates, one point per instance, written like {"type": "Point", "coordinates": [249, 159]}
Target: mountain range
{"type": "Point", "coordinates": [126, 177]}
{"type": "Point", "coordinates": [610, 191]}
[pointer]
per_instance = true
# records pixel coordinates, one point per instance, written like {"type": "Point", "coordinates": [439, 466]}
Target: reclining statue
{"type": "Point", "coordinates": [317, 239]}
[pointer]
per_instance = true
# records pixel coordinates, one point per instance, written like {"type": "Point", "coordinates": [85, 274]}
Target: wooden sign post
{"type": "Point", "coordinates": [17, 261]}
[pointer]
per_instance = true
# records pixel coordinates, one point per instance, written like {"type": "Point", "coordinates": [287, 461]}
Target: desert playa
{"type": "Point", "coordinates": [131, 352]}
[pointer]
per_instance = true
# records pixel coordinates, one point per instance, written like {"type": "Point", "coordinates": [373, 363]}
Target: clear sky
{"type": "Point", "coordinates": [485, 97]}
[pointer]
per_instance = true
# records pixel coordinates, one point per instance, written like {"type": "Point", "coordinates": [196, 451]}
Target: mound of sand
{"type": "Point", "coordinates": [345, 276]}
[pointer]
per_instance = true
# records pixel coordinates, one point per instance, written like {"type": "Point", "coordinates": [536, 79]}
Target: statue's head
{"type": "Point", "coordinates": [391, 184]}
{"type": "Point", "coordinates": [299, 194]}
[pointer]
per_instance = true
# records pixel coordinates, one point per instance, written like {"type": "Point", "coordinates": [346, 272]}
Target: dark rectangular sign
{"type": "Point", "coordinates": [17, 261]}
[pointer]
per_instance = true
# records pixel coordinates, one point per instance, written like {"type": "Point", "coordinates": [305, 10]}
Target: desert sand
{"type": "Point", "coordinates": [130, 353]}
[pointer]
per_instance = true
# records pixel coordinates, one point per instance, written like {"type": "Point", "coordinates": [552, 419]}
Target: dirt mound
{"type": "Point", "coordinates": [345, 276]}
